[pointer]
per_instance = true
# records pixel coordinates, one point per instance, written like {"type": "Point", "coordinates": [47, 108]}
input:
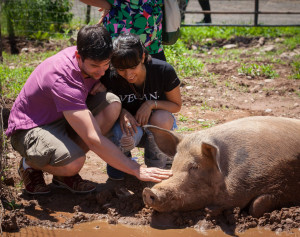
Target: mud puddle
{"type": "Point", "coordinates": [97, 228]}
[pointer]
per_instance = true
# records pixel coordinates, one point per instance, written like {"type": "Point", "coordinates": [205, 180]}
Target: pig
{"type": "Point", "coordinates": [252, 162]}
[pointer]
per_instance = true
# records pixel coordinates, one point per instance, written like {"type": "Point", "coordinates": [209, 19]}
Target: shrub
{"type": "Point", "coordinates": [30, 16]}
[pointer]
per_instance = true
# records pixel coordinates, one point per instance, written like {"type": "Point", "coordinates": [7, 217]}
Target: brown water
{"type": "Point", "coordinates": [103, 229]}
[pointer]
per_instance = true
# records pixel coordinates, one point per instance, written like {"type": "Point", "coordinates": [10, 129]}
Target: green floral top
{"type": "Point", "coordinates": [141, 17]}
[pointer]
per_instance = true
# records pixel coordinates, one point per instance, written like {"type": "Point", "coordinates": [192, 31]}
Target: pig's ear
{"type": "Point", "coordinates": [212, 152]}
{"type": "Point", "coordinates": [166, 140]}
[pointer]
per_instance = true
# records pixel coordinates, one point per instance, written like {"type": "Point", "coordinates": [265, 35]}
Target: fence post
{"type": "Point", "coordinates": [88, 14]}
{"type": "Point", "coordinates": [256, 9]}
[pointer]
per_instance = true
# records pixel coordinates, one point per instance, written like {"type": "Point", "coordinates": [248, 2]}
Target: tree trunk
{"type": "Point", "coordinates": [10, 29]}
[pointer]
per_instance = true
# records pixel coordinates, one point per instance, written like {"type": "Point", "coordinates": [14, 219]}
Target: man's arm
{"type": "Point", "coordinates": [84, 123]}
{"type": "Point", "coordinates": [98, 3]}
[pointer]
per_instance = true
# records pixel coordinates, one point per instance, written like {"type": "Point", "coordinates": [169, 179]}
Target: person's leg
{"type": "Point", "coordinates": [70, 169]}
{"type": "Point", "coordinates": [205, 7]}
{"type": "Point", "coordinates": [49, 148]}
{"type": "Point", "coordinates": [153, 156]}
{"type": "Point", "coordinates": [162, 119]}
{"type": "Point", "coordinates": [106, 108]}
{"type": "Point", "coordinates": [126, 144]}
{"type": "Point", "coordinates": [57, 149]}
{"type": "Point", "coordinates": [182, 6]}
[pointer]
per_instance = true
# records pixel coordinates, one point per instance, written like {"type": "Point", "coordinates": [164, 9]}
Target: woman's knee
{"type": "Point", "coordinates": [162, 119]}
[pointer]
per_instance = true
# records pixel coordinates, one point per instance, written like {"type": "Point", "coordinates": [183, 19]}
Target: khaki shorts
{"type": "Point", "coordinates": [53, 144]}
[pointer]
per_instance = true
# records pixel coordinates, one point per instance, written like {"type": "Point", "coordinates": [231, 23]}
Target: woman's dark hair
{"type": "Point", "coordinates": [94, 42]}
{"type": "Point", "coordinates": [128, 51]}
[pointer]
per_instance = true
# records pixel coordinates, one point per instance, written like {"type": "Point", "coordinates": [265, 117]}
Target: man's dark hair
{"type": "Point", "coordinates": [128, 51]}
{"type": "Point", "coordinates": [94, 42]}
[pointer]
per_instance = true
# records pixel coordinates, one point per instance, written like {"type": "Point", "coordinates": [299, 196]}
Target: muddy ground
{"type": "Point", "coordinates": [218, 95]}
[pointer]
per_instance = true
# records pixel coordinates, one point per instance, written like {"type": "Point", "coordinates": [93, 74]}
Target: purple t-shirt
{"type": "Point", "coordinates": [56, 85]}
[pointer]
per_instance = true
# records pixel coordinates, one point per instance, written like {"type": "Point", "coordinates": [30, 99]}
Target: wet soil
{"type": "Point", "coordinates": [207, 101]}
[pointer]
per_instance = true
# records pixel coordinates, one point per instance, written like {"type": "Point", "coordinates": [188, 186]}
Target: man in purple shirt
{"type": "Point", "coordinates": [57, 118]}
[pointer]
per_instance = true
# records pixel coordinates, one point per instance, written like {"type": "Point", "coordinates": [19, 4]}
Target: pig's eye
{"type": "Point", "coordinates": [193, 167]}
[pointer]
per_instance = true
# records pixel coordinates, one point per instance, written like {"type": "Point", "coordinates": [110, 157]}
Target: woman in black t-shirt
{"type": "Point", "coordinates": [149, 90]}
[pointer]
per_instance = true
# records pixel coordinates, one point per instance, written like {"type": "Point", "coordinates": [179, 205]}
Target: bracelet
{"type": "Point", "coordinates": [155, 104]}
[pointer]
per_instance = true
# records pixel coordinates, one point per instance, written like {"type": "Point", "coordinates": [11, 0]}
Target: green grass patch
{"type": "Point", "coordinates": [266, 89]}
{"type": "Point", "coordinates": [16, 69]}
{"type": "Point", "coordinates": [255, 70]}
{"type": "Point", "coordinates": [13, 79]}
{"type": "Point", "coordinates": [181, 58]}
{"type": "Point", "coordinates": [292, 42]}
{"type": "Point", "coordinates": [185, 129]}
{"type": "Point", "coordinates": [182, 118]}
{"type": "Point", "coordinates": [212, 79]}
{"type": "Point", "coordinates": [12, 205]}
{"type": "Point", "coordinates": [194, 35]}
{"type": "Point", "coordinates": [229, 85]}
{"type": "Point", "coordinates": [223, 55]}
{"type": "Point", "coordinates": [204, 106]}
{"type": "Point", "coordinates": [206, 124]}
{"type": "Point", "coordinates": [296, 70]}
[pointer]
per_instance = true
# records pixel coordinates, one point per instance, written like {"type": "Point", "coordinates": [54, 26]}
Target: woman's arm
{"type": "Point", "coordinates": [128, 123]}
{"type": "Point", "coordinates": [98, 3]}
{"type": "Point", "coordinates": [172, 104]}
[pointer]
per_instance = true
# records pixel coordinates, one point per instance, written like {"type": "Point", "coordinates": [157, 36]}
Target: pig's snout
{"type": "Point", "coordinates": [149, 197]}
{"type": "Point", "coordinates": [162, 200]}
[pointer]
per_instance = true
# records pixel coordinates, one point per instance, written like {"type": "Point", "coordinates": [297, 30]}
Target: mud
{"type": "Point", "coordinates": [101, 228]}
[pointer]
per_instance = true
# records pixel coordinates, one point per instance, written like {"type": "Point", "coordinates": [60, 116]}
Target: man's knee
{"type": "Point", "coordinates": [113, 110]}
{"type": "Point", "coordinates": [74, 167]}
{"type": "Point", "coordinates": [114, 107]}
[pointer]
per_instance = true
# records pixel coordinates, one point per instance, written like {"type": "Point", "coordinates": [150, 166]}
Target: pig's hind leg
{"type": "Point", "coordinates": [262, 204]}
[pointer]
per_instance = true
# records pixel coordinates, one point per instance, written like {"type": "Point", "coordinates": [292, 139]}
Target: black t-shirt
{"type": "Point", "coordinates": [160, 78]}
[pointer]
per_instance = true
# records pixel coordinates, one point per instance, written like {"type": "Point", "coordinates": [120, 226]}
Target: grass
{"type": "Point", "coordinates": [204, 106]}
{"type": "Point", "coordinates": [194, 35]}
{"type": "Point", "coordinates": [255, 70]}
{"type": "Point", "coordinates": [185, 129]}
{"type": "Point", "coordinates": [182, 118]}
{"type": "Point", "coordinates": [292, 42]}
{"type": "Point", "coordinates": [268, 89]}
{"type": "Point", "coordinates": [296, 70]}
{"type": "Point", "coordinates": [14, 79]}
{"type": "Point", "coordinates": [219, 55]}
{"type": "Point", "coordinates": [17, 68]}
{"type": "Point", "coordinates": [206, 124]}
{"type": "Point", "coordinates": [12, 205]}
{"type": "Point", "coordinates": [179, 56]}
{"type": "Point", "coordinates": [211, 78]}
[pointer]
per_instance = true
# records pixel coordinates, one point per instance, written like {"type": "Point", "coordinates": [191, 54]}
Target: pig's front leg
{"type": "Point", "coordinates": [262, 204]}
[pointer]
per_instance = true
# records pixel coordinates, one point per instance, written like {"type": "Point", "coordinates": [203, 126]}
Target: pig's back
{"type": "Point", "coordinates": [258, 153]}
